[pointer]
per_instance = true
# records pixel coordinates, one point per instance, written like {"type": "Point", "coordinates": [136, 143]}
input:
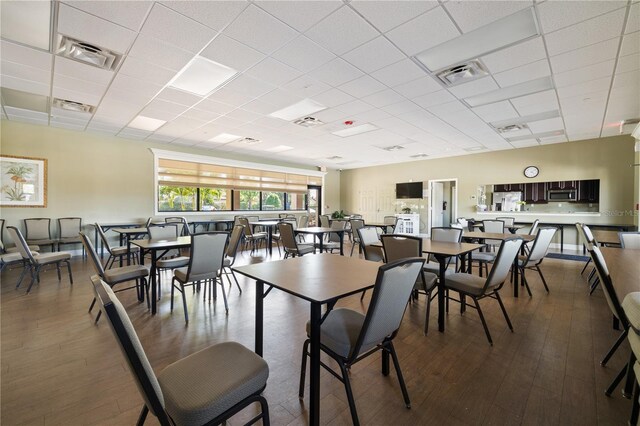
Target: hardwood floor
{"type": "Point", "coordinates": [58, 368]}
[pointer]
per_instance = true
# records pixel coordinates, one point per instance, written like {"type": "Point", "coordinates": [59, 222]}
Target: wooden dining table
{"type": "Point", "coordinates": [128, 234]}
{"type": "Point", "coordinates": [270, 225]}
{"type": "Point", "coordinates": [319, 232]}
{"type": "Point", "coordinates": [320, 279]}
{"type": "Point", "coordinates": [604, 237]}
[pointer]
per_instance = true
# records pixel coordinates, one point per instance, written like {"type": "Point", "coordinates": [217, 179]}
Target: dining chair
{"type": "Point", "coordinates": [250, 237]}
{"type": "Point", "coordinates": [324, 221]}
{"type": "Point", "coordinates": [391, 222]}
{"type": "Point", "coordinates": [303, 221]}
{"type": "Point", "coordinates": [348, 336]}
{"type": "Point", "coordinates": [535, 256]}
{"type": "Point", "coordinates": [629, 240]}
{"type": "Point", "coordinates": [1, 230]}
{"type": "Point", "coordinates": [118, 252]}
{"type": "Point", "coordinates": [398, 247]}
{"type": "Point", "coordinates": [277, 238]}
{"type": "Point", "coordinates": [185, 231]}
{"type": "Point", "coordinates": [205, 265]}
{"type": "Point", "coordinates": [69, 229]}
{"type": "Point", "coordinates": [593, 278]}
{"type": "Point", "coordinates": [35, 262]}
{"type": "Point", "coordinates": [485, 257]}
{"type": "Point", "coordinates": [631, 307]}
{"type": "Point", "coordinates": [206, 387]}
{"type": "Point", "coordinates": [333, 241]}
{"type": "Point", "coordinates": [478, 288]}
{"type": "Point", "coordinates": [8, 258]}
{"type": "Point", "coordinates": [368, 237]}
{"type": "Point", "coordinates": [355, 225]}
{"type": "Point", "coordinates": [230, 255]}
{"type": "Point", "coordinates": [508, 221]}
{"type": "Point", "coordinates": [169, 259]}
{"type": "Point", "coordinates": [115, 276]}
{"type": "Point", "coordinates": [582, 238]}
{"type": "Point", "coordinates": [532, 231]}
{"type": "Point", "coordinates": [447, 235]}
{"type": "Point", "coordinates": [38, 232]}
{"type": "Point", "coordinates": [289, 243]}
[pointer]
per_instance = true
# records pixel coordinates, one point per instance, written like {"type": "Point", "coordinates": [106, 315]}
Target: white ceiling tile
{"type": "Point", "coordinates": [575, 103]}
{"type": "Point", "coordinates": [546, 125]}
{"type": "Point", "coordinates": [630, 44]}
{"type": "Point", "coordinates": [515, 56]}
{"type": "Point", "coordinates": [68, 83]}
{"type": "Point", "coordinates": [553, 139]}
{"type": "Point", "coordinates": [628, 63]}
{"type": "Point", "coordinates": [627, 80]}
{"type": "Point", "coordinates": [249, 86]}
{"type": "Point", "coordinates": [130, 14]}
{"type": "Point", "coordinates": [399, 73]}
{"type": "Point", "coordinates": [82, 97]}
{"type": "Point", "coordinates": [141, 70]}
{"type": "Point", "coordinates": [588, 32]}
{"type": "Point", "coordinates": [373, 55]}
{"type": "Point", "coordinates": [633, 22]}
{"type": "Point", "coordinates": [585, 88]}
{"type": "Point", "coordinates": [243, 115]}
{"type": "Point", "coordinates": [25, 85]}
{"type": "Point", "coordinates": [230, 97]}
{"type": "Point", "coordinates": [370, 116]}
{"type": "Point", "coordinates": [25, 72]}
{"type": "Point", "coordinates": [355, 107]}
{"type": "Point", "coordinates": [37, 121]}
{"type": "Point", "coordinates": [26, 113]}
{"type": "Point", "coordinates": [25, 55]}
{"type": "Point", "coordinates": [82, 71]}
{"type": "Point", "coordinates": [303, 54]}
{"type": "Point", "coordinates": [163, 110]}
{"type": "Point", "coordinates": [386, 15]}
{"type": "Point", "coordinates": [200, 115]}
{"type": "Point", "coordinates": [481, 85]}
{"type": "Point", "coordinates": [384, 98]}
{"type": "Point", "coordinates": [585, 56]}
{"type": "Point", "coordinates": [90, 29]}
{"type": "Point", "coordinates": [300, 15]}
{"type": "Point", "coordinates": [423, 32]}
{"type": "Point", "coordinates": [342, 31]}
{"type": "Point", "coordinates": [306, 86]}
{"type": "Point", "coordinates": [78, 127]}
{"type": "Point", "coordinates": [178, 97]}
{"type": "Point", "coordinates": [556, 14]}
{"type": "Point", "coordinates": [524, 73]}
{"type": "Point", "coordinates": [214, 14]}
{"type": "Point", "coordinates": [281, 98]}
{"type": "Point", "coordinates": [336, 72]}
{"type": "Point", "coordinates": [536, 103]}
{"type": "Point", "coordinates": [214, 106]}
{"type": "Point", "coordinates": [362, 86]}
{"type": "Point", "coordinates": [333, 97]}
{"type": "Point", "coordinates": [525, 144]}
{"type": "Point", "coordinates": [331, 114]}
{"type": "Point", "coordinates": [259, 30]}
{"type": "Point", "coordinates": [259, 107]}
{"type": "Point", "coordinates": [470, 15]}
{"type": "Point", "coordinates": [227, 51]}
{"type": "Point", "coordinates": [273, 72]}
{"type": "Point", "coordinates": [400, 108]}
{"type": "Point", "coordinates": [496, 111]}
{"type": "Point", "coordinates": [176, 29]}
{"type": "Point", "coordinates": [157, 52]}
{"type": "Point", "coordinates": [435, 98]}
{"type": "Point", "coordinates": [591, 72]}
{"type": "Point", "coordinates": [418, 87]}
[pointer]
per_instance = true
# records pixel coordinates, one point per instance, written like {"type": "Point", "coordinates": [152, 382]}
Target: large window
{"type": "Point", "coordinates": [273, 201]}
{"type": "Point", "coordinates": [177, 198]}
{"type": "Point", "coordinates": [212, 199]}
{"type": "Point", "coordinates": [248, 200]}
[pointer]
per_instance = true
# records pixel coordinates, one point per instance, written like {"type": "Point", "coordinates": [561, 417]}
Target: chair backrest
{"type": "Point", "coordinates": [336, 224]}
{"type": "Point", "coordinates": [69, 226]}
{"type": "Point", "coordinates": [464, 222]}
{"type": "Point", "coordinates": [541, 244]}
{"type": "Point", "coordinates": [37, 228]}
{"type": "Point", "coordinates": [282, 215]}
{"type": "Point", "coordinates": [389, 220]}
{"type": "Point", "coordinates": [493, 226]}
{"type": "Point", "coordinates": [207, 255]}
{"type": "Point", "coordinates": [508, 221]}
{"type": "Point", "coordinates": [324, 221]}
{"type": "Point", "coordinates": [355, 225]}
{"type": "Point", "coordinates": [369, 235]}
{"type": "Point", "coordinates": [534, 227]}
{"type": "Point", "coordinates": [163, 231]}
{"type": "Point", "coordinates": [234, 241]}
{"type": "Point", "coordinates": [178, 219]}
{"type": "Point", "coordinates": [391, 293]}
{"type": "Point", "coordinates": [131, 348]}
{"type": "Point", "coordinates": [236, 220]}
{"type": "Point", "coordinates": [292, 221]}
{"type": "Point", "coordinates": [398, 247]}
{"type": "Point", "coordinates": [21, 243]}
{"type": "Point", "coordinates": [287, 236]}
{"type": "Point", "coordinates": [356, 216]}
{"type": "Point", "coordinates": [95, 259]}
{"type": "Point", "coordinates": [253, 218]}
{"type": "Point", "coordinates": [148, 222]}
{"type": "Point", "coordinates": [244, 221]}
{"type": "Point", "coordinates": [504, 259]}
{"type": "Point", "coordinates": [2, 231]}
{"type": "Point", "coordinates": [304, 221]}
{"type": "Point", "coordinates": [589, 235]}
{"type": "Point", "coordinates": [629, 240]}
{"type": "Point", "coordinates": [607, 285]}
{"type": "Point", "coordinates": [448, 235]}
{"type": "Point", "coordinates": [397, 226]}
{"type": "Point", "coordinates": [103, 237]}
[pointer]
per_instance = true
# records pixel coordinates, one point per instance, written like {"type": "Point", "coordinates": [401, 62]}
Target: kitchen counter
{"type": "Point", "coordinates": [538, 214]}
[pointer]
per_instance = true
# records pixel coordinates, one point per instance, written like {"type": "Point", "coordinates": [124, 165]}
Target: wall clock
{"type": "Point", "coordinates": [531, 171]}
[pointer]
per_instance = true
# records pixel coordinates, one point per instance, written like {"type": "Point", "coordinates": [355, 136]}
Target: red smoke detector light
{"type": "Point", "coordinates": [348, 122]}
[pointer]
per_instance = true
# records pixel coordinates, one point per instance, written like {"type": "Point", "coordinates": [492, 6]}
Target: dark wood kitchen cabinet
{"type": "Point", "coordinates": [535, 193]}
{"type": "Point", "coordinates": [509, 187]}
{"type": "Point", "coordinates": [563, 184]}
{"type": "Point", "coordinates": [588, 191]}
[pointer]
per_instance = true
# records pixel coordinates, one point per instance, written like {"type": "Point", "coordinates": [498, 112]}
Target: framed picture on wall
{"type": "Point", "coordinates": [23, 181]}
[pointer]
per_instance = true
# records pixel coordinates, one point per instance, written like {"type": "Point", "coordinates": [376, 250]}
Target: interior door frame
{"type": "Point", "coordinates": [454, 201]}
{"type": "Point", "coordinates": [318, 188]}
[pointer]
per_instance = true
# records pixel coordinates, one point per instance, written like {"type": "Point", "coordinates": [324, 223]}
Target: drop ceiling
{"type": "Point", "coordinates": [574, 75]}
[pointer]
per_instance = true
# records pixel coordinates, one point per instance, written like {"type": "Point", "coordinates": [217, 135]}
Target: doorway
{"type": "Point", "coordinates": [314, 204]}
{"type": "Point", "coordinates": [443, 202]}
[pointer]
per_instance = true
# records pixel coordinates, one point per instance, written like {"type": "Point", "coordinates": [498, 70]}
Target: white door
{"type": "Point", "coordinates": [437, 198]}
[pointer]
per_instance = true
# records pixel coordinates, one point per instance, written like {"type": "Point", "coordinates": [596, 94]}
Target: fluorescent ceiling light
{"type": "Point", "coordinates": [24, 100]}
{"type": "Point", "coordinates": [536, 136]}
{"type": "Point", "coordinates": [146, 123]}
{"type": "Point", "coordinates": [201, 76]}
{"type": "Point", "coordinates": [526, 119]}
{"type": "Point", "coordinates": [224, 138]}
{"type": "Point", "coordinates": [352, 131]}
{"type": "Point", "coordinates": [497, 35]}
{"type": "Point", "coordinates": [475, 148]}
{"type": "Point", "coordinates": [510, 92]}
{"type": "Point", "coordinates": [27, 22]}
{"type": "Point", "coordinates": [280, 148]}
{"type": "Point", "coordinates": [297, 110]}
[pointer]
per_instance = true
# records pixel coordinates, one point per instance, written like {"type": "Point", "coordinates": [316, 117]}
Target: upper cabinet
{"type": "Point", "coordinates": [509, 187]}
{"type": "Point", "coordinates": [564, 184]}
{"type": "Point", "coordinates": [588, 191]}
{"type": "Point", "coordinates": [535, 193]}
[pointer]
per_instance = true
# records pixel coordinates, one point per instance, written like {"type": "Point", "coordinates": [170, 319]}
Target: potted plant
{"type": "Point", "coordinates": [337, 214]}
{"type": "Point", "coordinates": [406, 210]}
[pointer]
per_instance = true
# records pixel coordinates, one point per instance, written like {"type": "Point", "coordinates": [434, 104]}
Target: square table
{"type": "Point", "coordinates": [606, 237]}
{"type": "Point", "coordinates": [269, 224]}
{"type": "Point", "coordinates": [107, 226]}
{"type": "Point", "coordinates": [319, 232]}
{"type": "Point", "coordinates": [320, 279]}
{"type": "Point", "coordinates": [127, 233]}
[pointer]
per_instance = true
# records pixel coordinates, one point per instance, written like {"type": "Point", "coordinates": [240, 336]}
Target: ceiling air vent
{"type": "Point", "coordinates": [308, 122]}
{"type": "Point", "coordinates": [418, 156]}
{"type": "Point", "coordinates": [393, 148]}
{"type": "Point", "coordinates": [512, 128]}
{"type": "Point", "coordinates": [462, 73]}
{"type": "Point", "coordinates": [250, 141]}
{"type": "Point", "coordinates": [87, 53]}
{"type": "Point", "coordinates": [73, 106]}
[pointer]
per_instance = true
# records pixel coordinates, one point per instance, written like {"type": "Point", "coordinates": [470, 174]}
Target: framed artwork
{"type": "Point", "coordinates": [23, 181]}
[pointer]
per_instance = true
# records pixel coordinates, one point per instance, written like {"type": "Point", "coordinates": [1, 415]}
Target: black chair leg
{"type": "Point", "coordinates": [542, 278]}
{"type": "Point", "coordinates": [403, 386]}
{"type": "Point", "coordinates": [504, 311]}
{"type": "Point", "coordinates": [24, 272]}
{"type": "Point", "coordinates": [303, 369]}
{"type": "Point", "coordinates": [635, 408]}
{"type": "Point", "coordinates": [69, 270]}
{"type": "Point", "coordinates": [264, 407]}
{"type": "Point", "coordinates": [613, 349]}
{"type": "Point", "coordinates": [98, 317]}
{"type": "Point", "coordinates": [585, 266]}
{"type": "Point", "coordinates": [616, 381]}
{"type": "Point", "coordinates": [484, 323]}
{"type": "Point", "coordinates": [426, 319]}
{"type": "Point", "coordinates": [347, 388]}
{"type": "Point", "coordinates": [184, 305]}
{"type": "Point", "coordinates": [224, 295]}
{"type": "Point", "coordinates": [523, 279]}
{"type": "Point", "coordinates": [92, 304]}
{"type": "Point", "coordinates": [143, 416]}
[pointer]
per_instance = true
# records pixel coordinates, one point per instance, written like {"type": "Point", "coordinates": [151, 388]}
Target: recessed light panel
{"type": "Point", "coordinates": [202, 76]}
{"type": "Point", "coordinates": [225, 138]}
{"type": "Point", "coordinates": [536, 136]}
{"type": "Point", "coordinates": [146, 123]}
{"type": "Point", "coordinates": [352, 131]}
{"type": "Point", "coordinates": [280, 148]}
{"type": "Point", "coordinates": [494, 36]}
{"type": "Point", "coordinates": [24, 100]}
{"type": "Point", "coordinates": [475, 148]}
{"type": "Point", "coordinates": [526, 119]}
{"type": "Point", "coordinates": [27, 22]}
{"type": "Point", "coordinates": [297, 110]}
{"type": "Point", "coordinates": [510, 92]}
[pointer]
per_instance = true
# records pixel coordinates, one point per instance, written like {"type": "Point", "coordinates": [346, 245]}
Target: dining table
{"type": "Point", "coordinates": [153, 246]}
{"type": "Point", "coordinates": [270, 225]}
{"type": "Point", "coordinates": [319, 232]}
{"type": "Point", "coordinates": [512, 228]}
{"type": "Point", "coordinates": [605, 238]}
{"type": "Point", "coordinates": [321, 280]}
{"type": "Point", "coordinates": [125, 236]}
{"type": "Point", "coordinates": [206, 224]}
{"type": "Point", "coordinates": [109, 226]}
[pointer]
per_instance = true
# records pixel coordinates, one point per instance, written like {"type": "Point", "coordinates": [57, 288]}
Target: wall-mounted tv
{"type": "Point", "coordinates": [409, 190]}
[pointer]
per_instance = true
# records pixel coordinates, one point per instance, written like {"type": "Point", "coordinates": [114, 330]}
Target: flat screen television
{"type": "Point", "coordinates": [409, 190]}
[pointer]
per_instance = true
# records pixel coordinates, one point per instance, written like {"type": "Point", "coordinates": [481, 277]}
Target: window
{"type": "Point", "coordinates": [177, 198]}
{"type": "Point", "coordinates": [247, 200]}
{"type": "Point", "coordinates": [296, 201]}
{"type": "Point", "coordinates": [212, 199]}
{"type": "Point", "coordinates": [273, 201]}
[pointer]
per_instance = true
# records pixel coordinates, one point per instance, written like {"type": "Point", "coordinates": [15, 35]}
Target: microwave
{"type": "Point", "coordinates": [561, 195]}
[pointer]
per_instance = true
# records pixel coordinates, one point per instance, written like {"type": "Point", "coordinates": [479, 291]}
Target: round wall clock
{"type": "Point", "coordinates": [531, 171]}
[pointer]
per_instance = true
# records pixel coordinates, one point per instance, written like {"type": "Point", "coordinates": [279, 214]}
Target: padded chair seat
{"type": "Point", "coordinates": [634, 340]}
{"type": "Point", "coordinates": [631, 306]}
{"type": "Point", "coordinates": [56, 256]}
{"type": "Point", "coordinates": [205, 384]}
{"type": "Point", "coordinates": [483, 256]}
{"type": "Point", "coordinates": [305, 249]}
{"type": "Point", "coordinates": [173, 263]}
{"type": "Point", "coordinates": [376, 254]}
{"type": "Point", "coordinates": [44, 242]}
{"type": "Point", "coordinates": [257, 236]}
{"type": "Point", "coordinates": [466, 283]}
{"type": "Point", "coordinates": [10, 257]}
{"type": "Point", "coordinates": [15, 249]}
{"type": "Point", "coordinates": [68, 240]}
{"type": "Point", "coordinates": [126, 273]}
{"type": "Point", "coordinates": [122, 250]}
{"type": "Point", "coordinates": [340, 330]}
{"type": "Point", "coordinates": [181, 275]}
{"type": "Point", "coordinates": [435, 269]}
